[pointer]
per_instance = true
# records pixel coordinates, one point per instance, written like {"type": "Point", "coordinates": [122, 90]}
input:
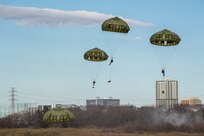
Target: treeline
{"type": "Point", "coordinates": [124, 118]}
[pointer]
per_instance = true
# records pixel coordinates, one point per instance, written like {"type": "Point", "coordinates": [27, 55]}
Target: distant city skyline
{"type": "Point", "coordinates": [42, 45]}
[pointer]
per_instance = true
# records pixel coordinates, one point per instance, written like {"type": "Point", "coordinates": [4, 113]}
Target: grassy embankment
{"type": "Point", "coordinates": [85, 132]}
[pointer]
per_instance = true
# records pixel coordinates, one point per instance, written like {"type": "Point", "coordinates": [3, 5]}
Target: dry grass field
{"type": "Point", "coordinates": [85, 132]}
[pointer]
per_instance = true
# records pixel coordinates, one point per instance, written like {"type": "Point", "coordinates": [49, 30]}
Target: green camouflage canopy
{"type": "Point", "coordinates": [58, 115]}
{"type": "Point", "coordinates": [115, 25]}
{"type": "Point", "coordinates": [165, 38]}
{"type": "Point", "coordinates": [96, 55]}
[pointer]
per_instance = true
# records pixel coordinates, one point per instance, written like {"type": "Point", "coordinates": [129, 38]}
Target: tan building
{"type": "Point", "coordinates": [191, 101]}
{"type": "Point", "coordinates": [185, 102]}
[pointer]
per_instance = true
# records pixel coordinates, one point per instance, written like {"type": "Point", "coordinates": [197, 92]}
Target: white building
{"type": "Point", "coordinates": [32, 109]}
{"type": "Point", "coordinates": [65, 105]}
{"type": "Point", "coordinates": [5, 110]}
{"type": "Point", "coordinates": [19, 108]}
{"type": "Point", "coordinates": [44, 107]}
{"type": "Point", "coordinates": [24, 106]}
{"type": "Point", "coordinates": [166, 93]}
{"type": "Point", "coordinates": [103, 102]}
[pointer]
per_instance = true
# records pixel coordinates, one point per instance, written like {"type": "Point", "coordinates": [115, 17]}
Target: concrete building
{"type": "Point", "coordinates": [5, 110]}
{"type": "Point", "coordinates": [103, 102]}
{"type": "Point", "coordinates": [65, 105]}
{"type": "Point", "coordinates": [44, 107]}
{"type": "Point", "coordinates": [32, 110]}
{"type": "Point", "coordinates": [166, 93]}
{"type": "Point", "coordinates": [24, 106]}
{"type": "Point", "coordinates": [19, 108]}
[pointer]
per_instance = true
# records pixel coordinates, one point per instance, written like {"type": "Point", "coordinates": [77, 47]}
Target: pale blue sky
{"type": "Point", "coordinates": [44, 59]}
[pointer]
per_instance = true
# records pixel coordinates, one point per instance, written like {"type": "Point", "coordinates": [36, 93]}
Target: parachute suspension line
{"type": "Point", "coordinates": [114, 53]}
{"type": "Point", "coordinates": [98, 72]}
{"type": "Point", "coordinates": [94, 77]}
{"type": "Point", "coordinates": [164, 65]}
{"type": "Point", "coordinates": [113, 49]}
{"type": "Point", "coordinates": [162, 40]}
{"type": "Point", "coordinates": [164, 68]}
{"type": "Point", "coordinates": [168, 58]}
{"type": "Point", "coordinates": [113, 43]}
{"type": "Point", "coordinates": [90, 71]}
{"type": "Point", "coordinates": [171, 55]}
{"type": "Point", "coordinates": [121, 42]}
{"type": "Point", "coordinates": [95, 56]}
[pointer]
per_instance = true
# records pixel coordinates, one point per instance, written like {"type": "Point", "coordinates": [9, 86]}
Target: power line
{"type": "Point", "coordinates": [2, 93]}
{"type": "Point", "coordinates": [47, 96]}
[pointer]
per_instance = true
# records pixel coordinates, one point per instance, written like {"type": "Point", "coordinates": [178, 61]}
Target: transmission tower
{"type": "Point", "coordinates": [12, 95]}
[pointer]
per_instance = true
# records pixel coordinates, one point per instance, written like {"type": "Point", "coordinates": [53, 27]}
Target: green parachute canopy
{"type": "Point", "coordinates": [96, 55]}
{"type": "Point", "coordinates": [115, 25]}
{"type": "Point", "coordinates": [58, 115]}
{"type": "Point", "coordinates": [165, 38]}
